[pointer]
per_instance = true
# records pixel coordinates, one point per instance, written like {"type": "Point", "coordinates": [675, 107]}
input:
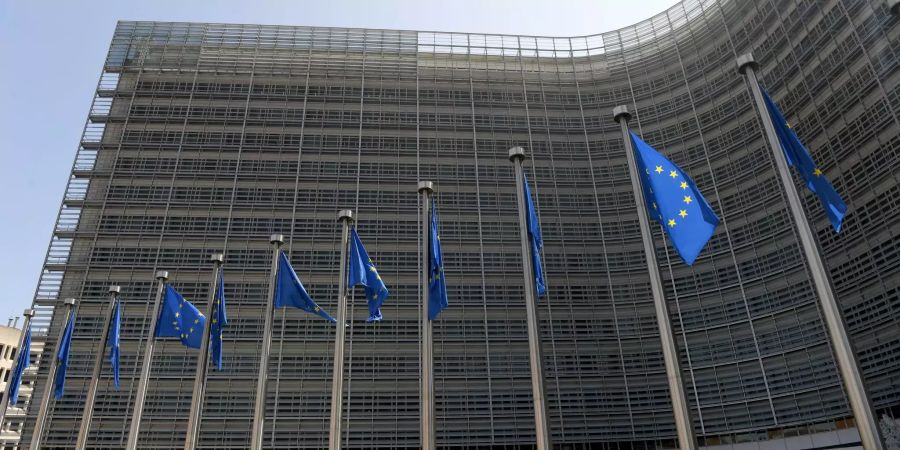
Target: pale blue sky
{"type": "Point", "coordinates": [52, 52]}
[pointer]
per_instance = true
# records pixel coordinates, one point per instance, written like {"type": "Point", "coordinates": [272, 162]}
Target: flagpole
{"type": "Point", "coordinates": [426, 354]}
{"type": "Point", "coordinates": [51, 376]}
{"type": "Point", "coordinates": [680, 409]}
{"type": "Point", "coordinates": [259, 410]}
{"type": "Point", "coordinates": [854, 382]}
{"type": "Point", "coordinates": [4, 404]}
{"type": "Point", "coordinates": [141, 394]}
{"type": "Point", "coordinates": [95, 375]}
{"type": "Point", "coordinates": [193, 430]}
{"type": "Point", "coordinates": [345, 216]}
{"type": "Point", "coordinates": [542, 436]}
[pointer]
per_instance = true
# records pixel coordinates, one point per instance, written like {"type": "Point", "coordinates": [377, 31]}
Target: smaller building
{"type": "Point", "coordinates": [11, 428]}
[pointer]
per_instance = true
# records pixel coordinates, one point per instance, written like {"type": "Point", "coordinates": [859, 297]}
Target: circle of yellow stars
{"type": "Point", "coordinates": [686, 199]}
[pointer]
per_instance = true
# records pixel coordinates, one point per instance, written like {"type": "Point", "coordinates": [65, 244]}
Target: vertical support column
{"type": "Point", "coordinates": [854, 383]}
{"type": "Point", "coordinates": [141, 394]}
{"type": "Point", "coordinates": [4, 403]}
{"type": "Point", "coordinates": [193, 430]}
{"type": "Point", "coordinates": [259, 410]}
{"type": "Point", "coordinates": [541, 431]}
{"type": "Point", "coordinates": [680, 409]}
{"type": "Point", "coordinates": [48, 387]}
{"type": "Point", "coordinates": [95, 374]}
{"type": "Point", "coordinates": [345, 216]}
{"type": "Point", "coordinates": [426, 414]}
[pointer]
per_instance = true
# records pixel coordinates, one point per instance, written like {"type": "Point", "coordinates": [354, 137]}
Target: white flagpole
{"type": "Point", "coordinates": [193, 430]}
{"type": "Point", "coordinates": [95, 375]}
{"type": "Point", "coordinates": [542, 434]}
{"type": "Point", "coordinates": [141, 393]}
{"type": "Point", "coordinates": [426, 354]}
{"type": "Point", "coordinates": [852, 377]}
{"type": "Point", "coordinates": [345, 216]}
{"type": "Point", "coordinates": [259, 410]}
{"type": "Point", "coordinates": [51, 377]}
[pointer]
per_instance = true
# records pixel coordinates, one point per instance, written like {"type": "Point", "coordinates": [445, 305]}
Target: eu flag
{"type": "Point", "coordinates": [799, 157]}
{"type": "Point", "coordinates": [289, 291]}
{"type": "Point", "coordinates": [674, 201]}
{"type": "Point", "coordinates": [179, 318]}
{"type": "Point", "coordinates": [23, 359]}
{"type": "Point", "coordinates": [437, 285]}
{"type": "Point", "coordinates": [219, 320]}
{"type": "Point", "coordinates": [362, 271]}
{"type": "Point", "coordinates": [537, 242]}
{"type": "Point", "coordinates": [62, 354]}
{"type": "Point", "coordinates": [115, 328]}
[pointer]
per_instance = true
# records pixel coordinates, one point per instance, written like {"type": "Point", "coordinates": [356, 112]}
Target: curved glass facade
{"type": "Point", "coordinates": [207, 138]}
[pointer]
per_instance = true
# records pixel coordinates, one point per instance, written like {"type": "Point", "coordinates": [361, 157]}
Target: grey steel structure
{"type": "Point", "coordinates": [209, 137]}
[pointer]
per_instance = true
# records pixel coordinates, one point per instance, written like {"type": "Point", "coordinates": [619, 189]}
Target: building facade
{"type": "Point", "coordinates": [207, 138]}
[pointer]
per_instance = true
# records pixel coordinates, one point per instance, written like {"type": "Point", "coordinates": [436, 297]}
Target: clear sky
{"type": "Point", "coordinates": [52, 53]}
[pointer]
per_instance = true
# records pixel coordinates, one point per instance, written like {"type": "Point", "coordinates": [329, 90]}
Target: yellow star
{"type": "Point", "coordinates": [817, 172]}
{"type": "Point", "coordinates": [673, 173]}
{"type": "Point", "coordinates": [659, 169]}
{"type": "Point", "coordinates": [647, 170]}
{"type": "Point", "coordinates": [191, 330]}
{"type": "Point", "coordinates": [654, 205]}
{"type": "Point", "coordinates": [788, 124]}
{"type": "Point", "coordinates": [181, 305]}
{"type": "Point", "coordinates": [215, 321]}
{"type": "Point", "coordinates": [688, 199]}
{"type": "Point", "coordinates": [683, 214]}
{"type": "Point", "coordinates": [177, 314]}
{"type": "Point", "coordinates": [684, 185]}
{"type": "Point", "coordinates": [317, 308]}
{"type": "Point", "coordinates": [196, 321]}
{"type": "Point", "coordinates": [671, 223]}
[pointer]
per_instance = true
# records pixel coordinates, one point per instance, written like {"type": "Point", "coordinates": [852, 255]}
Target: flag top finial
{"type": "Point", "coordinates": [746, 60]}
{"type": "Point", "coordinates": [162, 275]}
{"type": "Point", "coordinates": [70, 301]}
{"type": "Point", "coordinates": [426, 186]}
{"type": "Point", "coordinates": [276, 239]}
{"type": "Point", "coordinates": [217, 258]}
{"type": "Point", "coordinates": [345, 214]}
{"type": "Point", "coordinates": [115, 289]}
{"type": "Point", "coordinates": [621, 112]}
{"type": "Point", "coordinates": [516, 152]}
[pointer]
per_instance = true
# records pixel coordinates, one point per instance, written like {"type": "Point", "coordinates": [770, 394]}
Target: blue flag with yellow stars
{"type": "Point", "coordinates": [437, 285]}
{"type": "Point", "coordinates": [179, 318]}
{"type": "Point", "coordinates": [674, 201]}
{"type": "Point", "coordinates": [219, 320]}
{"type": "Point", "coordinates": [62, 354]}
{"type": "Point", "coordinates": [362, 271]}
{"type": "Point", "coordinates": [799, 157]}
{"type": "Point", "coordinates": [115, 328]}
{"type": "Point", "coordinates": [537, 241]}
{"type": "Point", "coordinates": [23, 360]}
{"type": "Point", "coordinates": [289, 291]}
